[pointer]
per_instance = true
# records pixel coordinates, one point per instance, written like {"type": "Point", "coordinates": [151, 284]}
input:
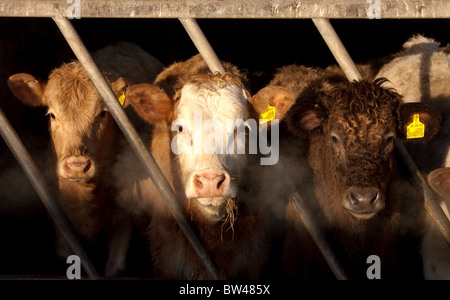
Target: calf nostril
{"type": "Point", "coordinates": [221, 181]}
{"type": "Point", "coordinates": [353, 199]}
{"type": "Point", "coordinates": [198, 183]}
{"type": "Point", "coordinates": [374, 199]}
{"type": "Point", "coordinates": [88, 166]}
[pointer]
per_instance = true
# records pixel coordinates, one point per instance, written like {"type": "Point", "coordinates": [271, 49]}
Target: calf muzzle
{"type": "Point", "coordinates": [208, 185]}
{"type": "Point", "coordinates": [77, 168]}
{"type": "Point", "coordinates": [363, 202]}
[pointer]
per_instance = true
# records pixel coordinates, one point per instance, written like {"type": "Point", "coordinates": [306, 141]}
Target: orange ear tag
{"type": "Point", "coordinates": [268, 115]}
{"type": "Point", "coordinates": [415, 130]}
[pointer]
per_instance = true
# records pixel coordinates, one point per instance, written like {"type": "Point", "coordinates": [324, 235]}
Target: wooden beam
{"type": "Point", "coordinates": [251, 9]}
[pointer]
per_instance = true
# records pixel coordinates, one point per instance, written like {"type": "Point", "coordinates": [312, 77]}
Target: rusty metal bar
{"type": "Point", "coordinates": [337, 48]}
{"type": "Point", "coordinates": [134, 140]}
{"type": "Point", "coordinates": [248, 9]}
{"type": "Point", "coordinates": [40, 185]}
{"type": "Point", "coordinates": [352, 73]}
{"type": "Point", "coordinates": [202, 44]}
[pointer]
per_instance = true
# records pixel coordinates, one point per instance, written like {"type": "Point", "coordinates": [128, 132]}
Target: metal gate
{"type": "Point", "coordinates": [187, 12]}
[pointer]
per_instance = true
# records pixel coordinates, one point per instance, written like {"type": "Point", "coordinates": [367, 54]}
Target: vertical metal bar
{"type": "Point", "coordinates": [337, 48]}
{"type": "Point", "coordinates": [431, 203]}
{"type": "Point", "coordinates": [40, 185]}
{"type": "Point", "coordinates": [306, 212]}
{"type": "Point", "coordinates": [352, 73]}
{"type": "Point", "coordinates": [111, 102]}
{"type": "Point", "coordinates": [202, 44]}
{"type": "Point", "coordinates": [317, 235]}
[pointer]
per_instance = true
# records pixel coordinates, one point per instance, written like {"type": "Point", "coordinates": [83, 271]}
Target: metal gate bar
{"type": "Point", "coordinates": [337, 48]}
{"type": "Point", "coordinates": [317, 235]}
{"type": "Point", "coordinates": [40, 185]}
{"type": "Point", "coordinates": [202, 44]}
{"type": "Point", "coordinates": [431, 201]}
{"type": "Point", "coordinates": [134, 140]}
{"type": "Point", "coordinates": [26, 8]}
{"type": "Point", "coordinates": [231, 9]}
{"type": "Point", "coordinates": [348, 66]}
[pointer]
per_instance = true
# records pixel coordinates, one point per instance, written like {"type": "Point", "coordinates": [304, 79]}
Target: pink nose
{"type": "Point", "coordinates": [77, 167]}
{"type": "Point", "coordinates": [210, 185]}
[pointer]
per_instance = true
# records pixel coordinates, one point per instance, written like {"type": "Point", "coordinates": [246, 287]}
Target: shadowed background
{"type": "Point", "coordinates": [35, 46]}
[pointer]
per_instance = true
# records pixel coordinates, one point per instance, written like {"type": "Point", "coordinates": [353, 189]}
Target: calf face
{"type": "Point", "coordinates": [203, 120]}
{"type": "Point", "coordinates": [351, 132]}
{"type": "Point", "coordinates": [82, 129]}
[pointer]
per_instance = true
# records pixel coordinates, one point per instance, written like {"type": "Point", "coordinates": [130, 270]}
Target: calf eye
{"type": "Point", "coordinates": [180, 128]}
{"type": "Point", "coordinates": [334, 139]}
{"type": "Point", "coordinates": [102, 115]}
{"type": "Point", "coordinates": [52, 116]}
{"type": "Point", "coordinates": [389, 141]}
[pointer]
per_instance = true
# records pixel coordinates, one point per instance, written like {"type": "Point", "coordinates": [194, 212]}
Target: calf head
{"type": "Point", "coordinates": [202, 119]}
{"type": "Point", "coordinates": [351, 132]}
{"type": "Point", "coordinates": [82, 129]}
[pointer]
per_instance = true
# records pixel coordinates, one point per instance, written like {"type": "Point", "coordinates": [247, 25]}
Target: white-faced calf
{"type": "Point", "coordinates": [208, 176]}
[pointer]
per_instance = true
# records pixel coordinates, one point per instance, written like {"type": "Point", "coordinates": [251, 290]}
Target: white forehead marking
{"type": "Point", "coordinates": [226, 102]}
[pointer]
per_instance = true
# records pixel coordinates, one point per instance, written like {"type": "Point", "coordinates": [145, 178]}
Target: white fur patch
{"type": "Point", "coordinates": [215, 105]}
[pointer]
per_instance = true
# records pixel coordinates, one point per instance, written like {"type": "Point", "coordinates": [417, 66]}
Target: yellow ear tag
{"type": "Point", "coordinates": [122, 98]}
{"type": "Point", "coordinates": [268, 115]}
{"type": "Point", "coordinates": [416, 129]}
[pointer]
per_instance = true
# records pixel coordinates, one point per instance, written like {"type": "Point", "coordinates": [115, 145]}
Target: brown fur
{"type": "Point", "coordinates": [361, 115]}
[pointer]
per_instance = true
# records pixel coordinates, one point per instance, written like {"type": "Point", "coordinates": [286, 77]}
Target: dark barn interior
{"type": "Point", "coordinates": [35, 46]}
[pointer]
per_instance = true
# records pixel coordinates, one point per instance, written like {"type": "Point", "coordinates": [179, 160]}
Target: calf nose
{"type": "Point", "coordinates": [77, 167]}
{"type": "Point", "coordinates": [364, 200]}
{"type": "Point", "coordinates": [208, 185]}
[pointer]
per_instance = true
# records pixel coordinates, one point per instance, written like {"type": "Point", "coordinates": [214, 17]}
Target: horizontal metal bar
{"type": "Point", "coordinates": [261, 9]}
{"type": "Point", "coordinates": [40, 185]}
{"type": "Point", "coordinates": [202, 44]}
{"type": "Point", "coordinates": [111, 102]}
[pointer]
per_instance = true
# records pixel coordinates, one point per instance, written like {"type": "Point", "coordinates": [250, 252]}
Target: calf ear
{"type": "Point", "coordinates": [27, 89]}
{"type": "Point", "coordinates": [151, 102]}
{"type": "Point", "coordinates": [428, 116]}
{"type": "Point", "coordinates": [306, 117]}
{"type": "Point", "coordinates": [439, 181]}
{"type": "Point", "coordinates": [276, 96]}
